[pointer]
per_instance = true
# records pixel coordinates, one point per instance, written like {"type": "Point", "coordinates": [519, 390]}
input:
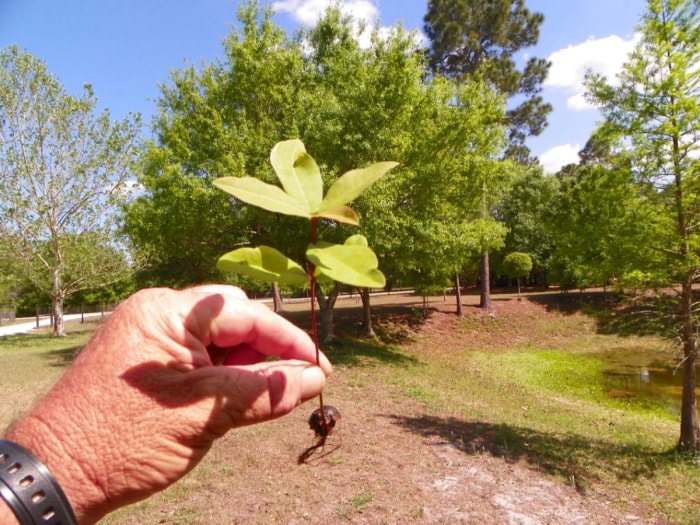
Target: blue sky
{"type": "Point", "coordinates": [126, 48]}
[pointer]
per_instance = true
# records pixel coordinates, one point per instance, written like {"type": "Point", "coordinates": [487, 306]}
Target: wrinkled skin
{"type": "Point", "coordinates": [167, 374]}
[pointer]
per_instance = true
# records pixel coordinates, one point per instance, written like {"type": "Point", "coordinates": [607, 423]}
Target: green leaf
{"type": "Point", "coordinates": [351, 264]}
{"type": "Point", "coordinates": [322, 278]}
{"type": "Point", "coordinates": [298, 173]}
{"type": "Point", "coordinates": [264, 264]}
{"type": "Point", "coordinates": [357, 240]}
{"type": "Point", "coordinates": [353, 183]}
{"type": "Point", "coordinates": [342, 214]}
{"type": "Point", "coordinates": [266, 196]}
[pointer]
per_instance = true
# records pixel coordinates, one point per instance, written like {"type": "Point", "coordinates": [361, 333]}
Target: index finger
{"type": "Point", "coordinates": [228, 320]}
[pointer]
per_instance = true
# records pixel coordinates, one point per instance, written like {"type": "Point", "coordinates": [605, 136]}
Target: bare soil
{"type": "Point", "coordinates": [388, 462]}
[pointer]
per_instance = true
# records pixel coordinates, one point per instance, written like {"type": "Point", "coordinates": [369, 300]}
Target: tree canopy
{"type": "Point", "coordinates": [62, 182]}
{"type": "Point", "coordinates": [351, 106]}
{"type": "Point", "coordinates": [652, 116]}
{"type": "Point", "coordinates": [481, 37]}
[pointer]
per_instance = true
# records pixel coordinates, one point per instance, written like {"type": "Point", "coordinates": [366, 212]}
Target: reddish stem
{"type": "Point", "coordinates": [314, 329]}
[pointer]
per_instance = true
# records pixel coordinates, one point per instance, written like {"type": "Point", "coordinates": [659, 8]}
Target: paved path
{"type": "Point", "coordinates": [23, 328]}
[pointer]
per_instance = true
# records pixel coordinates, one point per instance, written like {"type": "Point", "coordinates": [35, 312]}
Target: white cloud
{"type": "Point", "coordinates": [605, 56]}
{"type": "Point", "coordinates": [554, 158]}
{"type": "Point", "coordinates": [363, 12]}
{"type": "Point", "coordinates": [309, 11]}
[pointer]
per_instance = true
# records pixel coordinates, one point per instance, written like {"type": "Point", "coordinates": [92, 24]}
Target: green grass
{"type": "Point", "coordinates": [550, 409]}
{"type": "Point", "coordinates": [540, 404]}
{"type": "Point", "coordinates": [31, 363]}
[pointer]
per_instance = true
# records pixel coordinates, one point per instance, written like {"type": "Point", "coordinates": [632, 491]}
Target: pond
{"type": "Point", "coordinates": [644, 377]}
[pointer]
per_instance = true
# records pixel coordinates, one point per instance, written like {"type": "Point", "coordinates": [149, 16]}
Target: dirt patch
{"type": "Point", "coordinates": [386, 464]}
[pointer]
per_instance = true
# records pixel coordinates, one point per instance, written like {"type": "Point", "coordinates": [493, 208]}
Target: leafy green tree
{"type": "Point", "coordinates": [376, 103]}
{"type": "Point", "coordinates": [527, 212]}
{"type": "Point", "coordinates": [481, 37]}
{"type": "Point", "coordinates": [350, 106]}
{"type": "Point", "coordinates": [601, 225]}
{"type": "Point", "coordinates": [220, 119]}
{"type": "Point", "coordinates": [654, 113]}
{"type": "Point", "coordinates": [362, 110]}
{"type": "Point", "coordinates": [223, 120]}
{"type": "Point", "coordinates": [10, 280]}
{"type": "Point", "coordinates": [472, 39]}
{"type": "Point", "coordinates": [517, 264]}
{"type": "Point", "coordinates": [419, 220]}
{"type": "Point", "coordinates": [437, 225]}
{"type": "Point", "coordinates": [63, 170]}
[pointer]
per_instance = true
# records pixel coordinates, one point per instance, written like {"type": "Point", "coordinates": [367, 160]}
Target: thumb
{"type": "Point", "coordinates": [265, 391]}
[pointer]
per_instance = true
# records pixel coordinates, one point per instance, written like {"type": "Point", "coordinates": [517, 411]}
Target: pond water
{"type": "Point", "coordinates": [644, 377]}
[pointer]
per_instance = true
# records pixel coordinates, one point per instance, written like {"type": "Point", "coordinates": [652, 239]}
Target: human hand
{"type": "Point", "coordinates": [167, 374]}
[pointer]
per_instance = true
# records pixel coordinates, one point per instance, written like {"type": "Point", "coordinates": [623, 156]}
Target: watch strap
{"type": "Point", "coordinates": [30, 490]}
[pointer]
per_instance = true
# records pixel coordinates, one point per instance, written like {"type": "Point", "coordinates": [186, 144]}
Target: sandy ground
{"type": "Point", "coordinates": [388, 463]}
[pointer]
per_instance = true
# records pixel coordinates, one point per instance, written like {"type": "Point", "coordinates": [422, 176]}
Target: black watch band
{"type": "Point", "coordinates": [30, 490]}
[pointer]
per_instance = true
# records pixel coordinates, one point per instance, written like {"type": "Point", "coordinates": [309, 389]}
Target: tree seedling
{"type": "Point", "coordinates": [517, 264]}
{"type": "Point", "coordinates": [301, 195]}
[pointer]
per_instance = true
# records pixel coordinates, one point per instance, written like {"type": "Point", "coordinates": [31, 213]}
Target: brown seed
{"type": "Point", "coordinates": [317, 423]}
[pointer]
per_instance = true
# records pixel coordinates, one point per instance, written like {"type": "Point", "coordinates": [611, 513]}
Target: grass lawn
{"type": "Point", "coordinates": [445, 420]}
{"type": "Point", "coordinates": [31, 363]}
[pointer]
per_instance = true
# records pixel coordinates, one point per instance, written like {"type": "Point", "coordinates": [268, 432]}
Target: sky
{"type": "Point", "coordinates": [126, 48]}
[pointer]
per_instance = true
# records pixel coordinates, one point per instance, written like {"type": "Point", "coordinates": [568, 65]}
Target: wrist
{"type": "Point", "coordinates": [48, 447]}
{"type": "Point", "coordinates": [6, 515]}
{"type": "Point", "coordinates": [29, 489]}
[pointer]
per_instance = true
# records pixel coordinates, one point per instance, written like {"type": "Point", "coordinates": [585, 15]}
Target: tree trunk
{"type": "Point", "coordinates": [485, 301]}
{"type": "Point", "coordinates": [458, 295]}
{"type": "Point", "coordinates": [59, 329]}
{"type": "Point", "coordinates": [367, 330]}
{"type": "Point", "coordinates": [325, 309]}
{"type": "Point", "coordinates": [690, 430]}
{"type": "Point", "coordinates": [277, 298]}
{"type": "Point", "coordinates": [518, 280]}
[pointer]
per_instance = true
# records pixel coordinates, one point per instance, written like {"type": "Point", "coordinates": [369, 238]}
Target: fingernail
{"type": "Point", "coordinates": [312, 382]}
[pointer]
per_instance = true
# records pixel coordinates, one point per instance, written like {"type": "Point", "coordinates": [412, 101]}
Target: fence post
{"type": "Point", "coordinates": [37, 317]}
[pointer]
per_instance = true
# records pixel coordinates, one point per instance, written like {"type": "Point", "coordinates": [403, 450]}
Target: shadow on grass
{"type": "Point", "coordinates": [576, 458]}
{"type": "Point", "coordinates": [60, 352]}
{"type": "Point", "coordinates": [617, 314]}
{"type": "Point", "coordinates": [368, 352]}
{"type": "Point", "coordinates": [393, 326]}
{"type": "Point", "coordinates": [17, 341]}
{"type": "Point", "coordinates": [569, 303]}
{"type": "Point", "coordinates": [63, 356]}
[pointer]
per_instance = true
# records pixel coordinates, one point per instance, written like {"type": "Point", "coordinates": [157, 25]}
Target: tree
{"type": "Point", "coordinates": [477, 37]}
{"type": "Point", "coordinates": [437, 224]}
{"type": "Point", "coordinates": [473, 38]}
{"type": "Point", "coordinates": [517, 264]}
{"type": "Point", "coordinates": [601, 224]}
{"type": "Point", "coordinates": [350, 106]}
{"type": "Point", "coordinates": [527, 212]}
{"type": "Point", "coordinates": [217, 120]}
{"type": "Point", "coordinates": [377, 103]}
{"type": "Point", "coordinates": [361, 111]}
{"type": "Point", "coordinates": [654, 113]}
{"type": "Point", "coordinates": [223, 119]}
{"type": "Point", "coordinates": [63, 171]}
